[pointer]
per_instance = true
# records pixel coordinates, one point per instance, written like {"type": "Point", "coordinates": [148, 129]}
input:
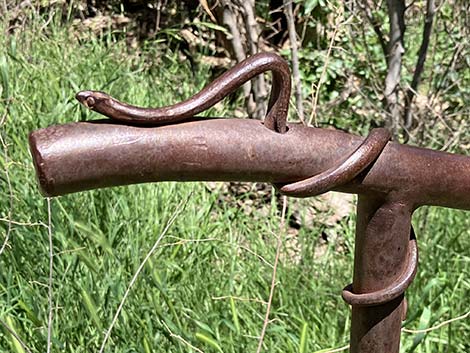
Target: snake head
{"type": "Point", "coordinates": [91, 99]}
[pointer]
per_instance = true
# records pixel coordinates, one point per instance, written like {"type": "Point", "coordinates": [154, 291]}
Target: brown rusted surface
{"type": "Point", "coordinates": [342, 173]}
{"type": "Point", "coordinates": [391, 179]}
{"type": "Point", "coordinates": [392, 291]}
{"type": "Point", "coordinates": [206, 98]}
{"type": "Point", "coordinates": [383, 258]}
{"type": "Point", "coordinates": [87, 155]}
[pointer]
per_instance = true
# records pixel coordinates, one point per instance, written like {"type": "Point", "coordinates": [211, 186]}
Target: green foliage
{"type": "Point", "coordinates": [100, 237]}
{"type": "Point", "coordinates": [342, 61]}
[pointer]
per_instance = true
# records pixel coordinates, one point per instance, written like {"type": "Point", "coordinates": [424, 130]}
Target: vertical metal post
{"type": "Point", "coordinates": [381, 252]}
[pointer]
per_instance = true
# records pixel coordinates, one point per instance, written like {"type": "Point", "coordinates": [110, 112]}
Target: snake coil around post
{"type": "Point", "coordinates": [342, 173]}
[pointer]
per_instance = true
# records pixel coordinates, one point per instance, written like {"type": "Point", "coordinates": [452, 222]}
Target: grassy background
{"type": "Point", "coordinates": [101, 237]}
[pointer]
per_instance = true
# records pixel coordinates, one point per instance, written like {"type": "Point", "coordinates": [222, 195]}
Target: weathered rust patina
{"type": "Point", "coordinates": [391, 179]}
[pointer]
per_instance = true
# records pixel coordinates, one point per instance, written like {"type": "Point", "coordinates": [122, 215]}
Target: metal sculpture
{"type": "Point", "coordinates": [392, 180]}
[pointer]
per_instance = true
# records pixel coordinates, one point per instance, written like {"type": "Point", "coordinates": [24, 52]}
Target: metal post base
{"type": "Point", "coordinates": [384, 265]}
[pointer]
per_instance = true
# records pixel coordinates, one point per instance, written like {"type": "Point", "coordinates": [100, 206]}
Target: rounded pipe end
{"type": "Point", "coordinates": [45, 186]}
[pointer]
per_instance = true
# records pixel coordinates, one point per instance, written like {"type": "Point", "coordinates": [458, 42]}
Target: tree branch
{"type": "Point", "coordinates": [260, 91]}
{"type": "Point", "coordinates": [229, 19]}
{"type": "Point", "coordinates": [411, 92]}
{"type": "Point", "coordinates": [295, 58]}
{"type": "Point", "coordinates": [375, 23]}
{"type": "Point", "coordinates": [396, 14]}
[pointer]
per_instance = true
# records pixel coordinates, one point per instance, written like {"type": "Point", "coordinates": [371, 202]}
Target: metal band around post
{"type": "Point", "coordinates": [217, 90]}
{"type": "Point", "coordinates": [391, 292]}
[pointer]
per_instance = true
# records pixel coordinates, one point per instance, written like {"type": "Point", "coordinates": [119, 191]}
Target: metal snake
{"type": "Point", "coordinates": [217, 90]}
{"type": "Point", "coordinates": [343, 173]}
{"type": "Point", "coordinates": [338, 175]}
{"type": "Point", "coordinates": [392, 291]}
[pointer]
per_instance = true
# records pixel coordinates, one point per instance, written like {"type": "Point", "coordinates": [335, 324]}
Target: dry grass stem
{"type": "Point", "coordinates": [447, 322]}
{"type": "Point", "coordinates": [10, 195]}
{"type": "Point", "coordinates": [257, 255]}
{"type": "Point", "coordinates": [51, 270]}
{"type": "Point", "coordinates": [240, 299]}
{"type": "Point", "coordinates": [70, 251]}
{"type": "Point", "coordinates": [181, 339]}
{"type": "Point", "coordinates": [316, 94]}
{"type": "Point", "coordinates": [177, 212]}
{"type": "Point", "coordinates": [19, 223]}
{"type": "Point", "coordinates": [186, 241]}
{"type": "Point", "coordinates": [273, 279]}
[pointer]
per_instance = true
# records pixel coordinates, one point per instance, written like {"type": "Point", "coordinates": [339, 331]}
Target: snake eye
{"type": "Point", "coordinates": [90, 102]}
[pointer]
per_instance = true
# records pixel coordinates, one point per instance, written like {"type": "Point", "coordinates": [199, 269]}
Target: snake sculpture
{"type": "Point", "coordinates": [275, 119]}
{"type": "Point", "coordinates": [211, 94]}
{"type": "Point", "coordinates": [342, 173]}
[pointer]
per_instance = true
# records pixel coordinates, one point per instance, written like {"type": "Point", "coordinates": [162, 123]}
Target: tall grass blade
{"type": "Point", "coordinates": [423, 323]}
{"type": "Point", "coordinates": [4, 80]}
{"type": "Point", "coordinates": [209, 341]}
{"type": "Point", "coordinates": [15, 345]}
{"type": "Point", "coordinates": [91, 308]}
{"type": "Point", "coordinates": [235, 315]}
{"type": "Point", "coordinates": [303, 347]}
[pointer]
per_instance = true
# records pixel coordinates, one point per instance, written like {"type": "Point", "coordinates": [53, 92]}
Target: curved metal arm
{"type": "Point", "coordinates": [214, 92]}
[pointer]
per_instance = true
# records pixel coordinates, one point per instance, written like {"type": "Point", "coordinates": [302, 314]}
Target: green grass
{"type": "Point", "coordinates": [100, 237]}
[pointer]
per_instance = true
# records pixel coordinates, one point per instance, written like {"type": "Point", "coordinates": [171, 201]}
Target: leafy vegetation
{"type": "Point", "coordinates": [208, 281]}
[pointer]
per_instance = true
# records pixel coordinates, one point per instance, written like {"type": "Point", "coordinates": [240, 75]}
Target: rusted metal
{"type": "Point", "coordinates": [341, 174]}
{"type": "Point", "coordinates": [211, 94]}
{"type": "Point", "coordinates": [385, 261]}
{"type": "Point", "coordinates": [391, 179]}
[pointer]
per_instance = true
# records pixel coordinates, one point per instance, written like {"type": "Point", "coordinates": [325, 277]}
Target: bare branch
{"type": "Point", "coordinates": [231, 23]}
{"type": "Point", "coordinates": [207, 9]}
{"type": "Point", "coordinates": [396, 49]}
{"type": "Point", "coordinates": [375, 23]}
{"type": "Point", "coordinates": [252, 30]}
{"type": "Point", "coordinates": [237, 46]}
{"type": "Point", "coordinates": [449, 67]}
{"type": "Point", "coordinates": [260, 91]}
{"type": "Point", "coordinates": [229, 19]}
{"type": "Point", "coordinates": [295, 58]}
{"type": "Point", "coordinates": [423, 50]}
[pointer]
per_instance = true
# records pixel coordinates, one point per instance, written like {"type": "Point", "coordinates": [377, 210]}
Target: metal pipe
{"type": "Point", "coordinates": [87, 155]}
{"type": "Point", "coordinates": [380, 258]}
